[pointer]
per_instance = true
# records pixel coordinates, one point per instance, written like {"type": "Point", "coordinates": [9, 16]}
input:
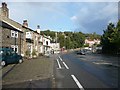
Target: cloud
{"type": "Point", "coordinates": [85, 16]}
{"type": "Point", "coordinates": [73, 18]}
{"type": "Point", "coordinates": [41, 13]}
{"type": "Point", "coordinates": [93, 17]}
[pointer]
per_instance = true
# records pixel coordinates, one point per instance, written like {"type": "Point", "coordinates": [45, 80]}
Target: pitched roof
{"type": "Point", "coordinates": [6, 25]}
{"type": "Point", "coordinates": [14, 23]}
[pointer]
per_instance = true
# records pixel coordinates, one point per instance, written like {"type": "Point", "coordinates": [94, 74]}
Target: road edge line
{"type": "Point", "coordinates": [59, 64]}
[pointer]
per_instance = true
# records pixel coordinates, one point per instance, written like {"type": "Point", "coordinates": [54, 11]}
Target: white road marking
{"type": "Point", "coordinates": [60, 58]}
{"type": "Point", "coordinates": [59, 64]}
{"type": "Point", "coordinates": [65, 65]}
{"type": "Point", "coordinates": [77, 82]}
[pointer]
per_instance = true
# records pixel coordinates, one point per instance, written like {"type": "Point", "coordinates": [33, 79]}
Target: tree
{"type": "Point", "coordinates": [61, 40]}
{"type": "Point", "coordinates": [111, 38]}
{"type": "Point", "coordinates": [79, 38]}
{"type": "Point", "coordinates": [70, 39]}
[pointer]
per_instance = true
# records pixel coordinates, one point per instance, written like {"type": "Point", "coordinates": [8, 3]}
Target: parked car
{"type": "Point", "coordinates": [8, 56]}
{"type": "Point", "coordinates": [81, 52]}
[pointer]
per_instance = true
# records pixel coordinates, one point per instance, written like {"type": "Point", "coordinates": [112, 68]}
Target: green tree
{"type": "Point", "coordinates": [110, 40]}
{"type": "Point", "coordinates": [61, 40]}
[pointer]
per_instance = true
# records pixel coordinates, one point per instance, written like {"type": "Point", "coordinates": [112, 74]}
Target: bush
{"type": "Point", "coordinates": [34, 52]}
{"type": "Point", "coordinates": [41, 54]}
{"type": "Point", "coordinates": [27, 53]}
{"type": "Point", "coordinates": [86, 45]}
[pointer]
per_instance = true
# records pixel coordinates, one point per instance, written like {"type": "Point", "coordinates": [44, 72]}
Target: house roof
{"type": "Point", "coordinates": [14, 23]}
{"type": "Point", "coordinates": [6, 25]}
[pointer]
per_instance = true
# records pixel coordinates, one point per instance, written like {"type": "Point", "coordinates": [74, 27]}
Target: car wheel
{"type": "Point", "coordinates": [20, 61]}
{"type": "Point", "coordinates": [3, 63]}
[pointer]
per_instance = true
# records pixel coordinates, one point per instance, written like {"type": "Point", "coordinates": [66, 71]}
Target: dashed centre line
{"type": "Point", "coordinates": [77, 82]}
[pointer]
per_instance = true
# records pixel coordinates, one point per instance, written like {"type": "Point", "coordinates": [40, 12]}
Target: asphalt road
{"type": "Point", "coordinates": [81, 72]}
{"type": "Point", "coordinates": [88, 71]}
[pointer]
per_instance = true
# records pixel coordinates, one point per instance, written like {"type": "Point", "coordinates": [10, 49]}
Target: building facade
{"type": "Point", "coordinates": [46, 44]}
{"type": "Point", "coordinates": [11, 37]}
{"type": "Point", "coordinates": [20, 37]}
{"type": "Point", "coordinates": [55, 47]}
{"type": "Point", "coordinates": [92, 42]}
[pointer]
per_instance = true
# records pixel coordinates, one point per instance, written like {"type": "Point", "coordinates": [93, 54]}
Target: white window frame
{"type": "Point", "coordinates": [15, 34]}
{"type": "Point", "coordinates": [15, 46]}
{"type": "Point", "coordinates": [12, 32]}
{"type": "Point", "coordinates": [29, 35]}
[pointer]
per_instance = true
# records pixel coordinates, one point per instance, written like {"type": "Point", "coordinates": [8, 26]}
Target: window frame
{"type": "Point", "coordinates": [12, 32]}
{"type": "Point", "coordinates": [14, 47]}
{"type": "Point", "coordinates": [16, 34]}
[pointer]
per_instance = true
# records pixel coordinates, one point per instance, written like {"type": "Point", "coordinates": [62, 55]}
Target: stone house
{"type": "Point", "coordinates": [32, 43]}
{"type": "Point", "coordinates": [28, 35]}
{"type": "Point", "coordinates": [41, 51]}
{"type": "Point", "coordinates": [28, 39]}
{"type": "Point", "coordinates": [32, 40]}
{"type": "Point", "coordinates": [11, 37]}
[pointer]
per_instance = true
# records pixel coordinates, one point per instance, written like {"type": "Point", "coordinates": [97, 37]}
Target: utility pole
{"type": "Point", "coordinates": [56, 37]}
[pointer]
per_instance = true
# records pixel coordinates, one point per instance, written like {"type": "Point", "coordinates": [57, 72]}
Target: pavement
{"type": "Point", "coordinates": [35, 73]}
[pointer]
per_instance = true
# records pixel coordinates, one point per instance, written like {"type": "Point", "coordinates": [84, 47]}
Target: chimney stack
{"type": "Point", "coordinates": [4, 10]}
{"type": "Point", "coordinates": [38, 29]}
{"type": "Point", "coordinates": [25, 23]}
{"type": "Point", "coordinates": [4, 4]}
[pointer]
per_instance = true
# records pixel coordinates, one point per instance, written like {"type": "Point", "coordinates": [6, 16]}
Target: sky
{"type": "Point", "coordinates": [87, 17]}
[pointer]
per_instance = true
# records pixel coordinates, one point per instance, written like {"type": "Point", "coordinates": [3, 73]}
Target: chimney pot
{"type": "Point", "coordinates": [38, 26]}
{"type": "Point", "coordinates": [4, 4]}
{"type": "Point", "coordinates": [25, 23]}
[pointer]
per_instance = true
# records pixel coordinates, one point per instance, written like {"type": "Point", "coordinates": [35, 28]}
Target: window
{"type": "Point", "coordinates": [46, 42]}
{"type": "Point", "coordinates": [15, 48]}
{"type": "Point", "coordinates": [8, 53]}
{"type": "Point", "coordinates": [14, 34]}
{"type": "Point", "coordinates": [29, 35]}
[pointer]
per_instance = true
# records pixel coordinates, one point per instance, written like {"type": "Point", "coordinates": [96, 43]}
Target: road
{"type": "Point", "coordinates": [68, 70]}
{"type": "Point", "coordinates": [86, 71]}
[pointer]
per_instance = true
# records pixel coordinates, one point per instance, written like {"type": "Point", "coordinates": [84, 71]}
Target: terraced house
{"type": "Point", "coordinates": [20, 37]}
{"type": "Point", "coordinates": [11, 36]}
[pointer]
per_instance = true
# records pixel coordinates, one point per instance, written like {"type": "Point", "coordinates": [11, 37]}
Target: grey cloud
{"type": "Point", "coordinates": [95, 16]}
